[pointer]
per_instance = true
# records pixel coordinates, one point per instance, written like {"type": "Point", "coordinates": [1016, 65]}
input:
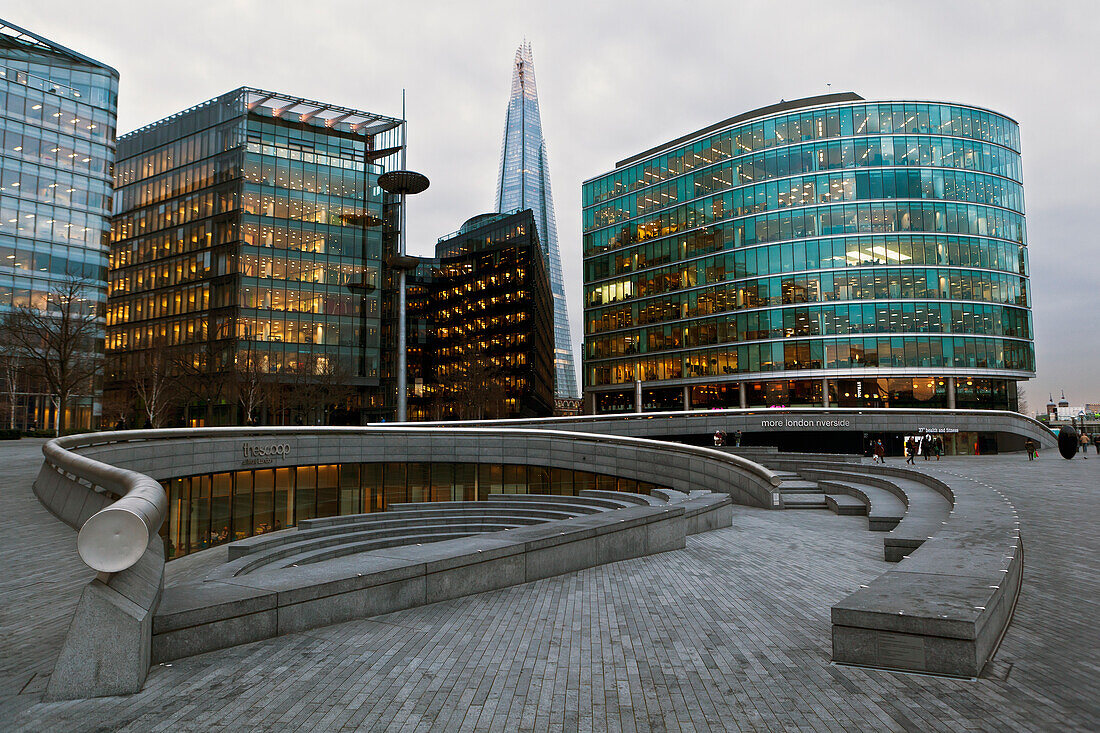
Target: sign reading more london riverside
{"type": "Point", "coordinates": [258, 454]}
{"type": "Point", "coordinates": [797, 422]}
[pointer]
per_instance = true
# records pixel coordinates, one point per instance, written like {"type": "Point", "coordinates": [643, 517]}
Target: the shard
{"type": "Point", "coordinates": [524, 183]}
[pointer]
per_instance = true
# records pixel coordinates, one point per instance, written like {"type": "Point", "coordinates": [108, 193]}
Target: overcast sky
{"type": "Point", "coordinates": [616, 78]}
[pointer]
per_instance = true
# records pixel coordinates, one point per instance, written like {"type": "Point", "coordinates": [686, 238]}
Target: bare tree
{"type": "Point", "coordinates": [58, 342]}
{"type": "Point", "coordinates": [154, 386]}
{"type": "Point", "coordinates": [306, 392]}
{"type": "Point", "coordinates": [249, 383]}
{"type": "Point", "coordinates": [199, 377]}
{"type": "Point", "coordinates": [472, 388]}
{"type": "Point", "coordinates": [10, 372]}
{"type": "Point", "coordinates": [1021, 400]}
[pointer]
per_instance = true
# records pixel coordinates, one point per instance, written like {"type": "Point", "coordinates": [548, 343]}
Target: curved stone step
{"type": "Point", "coordinates": [884, 509]}
{"type": "Point", "coordinates": [798, 486]}
{"type": "Point", "coordinates": [625, 498]}
{"type": "Point", "coordinates": [846, 504]}
{"type": "Point", "coordinates": [358, 522]}
{"type": "Point", "coordinates": [670, 495]}
{"type": "Point", "coordinates": [803, 501]}
{"type": "Point", "coordinates": [310, 557]}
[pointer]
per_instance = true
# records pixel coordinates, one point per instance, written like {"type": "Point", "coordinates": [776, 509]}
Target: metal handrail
{"type": "Point", "coordinates": [115, 538]}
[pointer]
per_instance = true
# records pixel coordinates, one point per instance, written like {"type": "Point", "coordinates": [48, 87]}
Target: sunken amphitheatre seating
{"type": "Point", "coordinates": [107, 486]}
{"type": "Point", "coordinates": [945, 605]}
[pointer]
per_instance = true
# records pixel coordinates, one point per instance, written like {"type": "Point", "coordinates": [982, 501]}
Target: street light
{"type": "Point", "coordinates": [402, 183]}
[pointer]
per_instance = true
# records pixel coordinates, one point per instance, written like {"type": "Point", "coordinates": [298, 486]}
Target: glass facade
{"type": "Point", "coordinates": [524, 183]}
{"type": "Point", "coordinates": [210, 509]}
{"type": "Point", "coordinates": [57, 124]}
{"type": "Point", "coordinates": [480, 324]}
{"type": "Point", "coordinates": [248, 246]}
{"type": "Point", "coordinates": [841, 252]}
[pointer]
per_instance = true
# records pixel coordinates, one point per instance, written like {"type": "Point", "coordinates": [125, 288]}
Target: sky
{"type": "Point", "coordinates": [616, 78]}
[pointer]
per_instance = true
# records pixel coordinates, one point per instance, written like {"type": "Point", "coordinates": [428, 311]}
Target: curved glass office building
{"type": "Point", "coordinates": [827, 251]}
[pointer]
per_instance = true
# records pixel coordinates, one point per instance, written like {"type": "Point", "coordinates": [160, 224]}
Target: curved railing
{"type": "Point", "coordinates": [115, 537]}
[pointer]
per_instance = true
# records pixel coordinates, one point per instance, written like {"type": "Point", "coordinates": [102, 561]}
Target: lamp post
{"type": "Point", "coordinates": [402, 183]}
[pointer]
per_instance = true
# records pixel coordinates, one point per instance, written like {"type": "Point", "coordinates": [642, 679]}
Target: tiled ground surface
{"type": "Point", "coordinates": [730, 633]}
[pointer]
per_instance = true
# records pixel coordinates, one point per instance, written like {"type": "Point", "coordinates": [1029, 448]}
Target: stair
{"type": "Point", "coordinates": [845, 505]}
{"type": "Point", "coordinates": [802, 501]}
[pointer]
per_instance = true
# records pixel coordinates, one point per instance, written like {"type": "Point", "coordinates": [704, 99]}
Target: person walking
{"type": "Point", "coordinates": [1085, 446]}
{"type": "Point", "coordinates": [880, 452]}
{"type": "Point", "coordinates": [910, 450]}
{"type": "Point", "coordinates": [938, 447]}
{"type": "Point", "coordinates": [737, 439]}
{"type": "Point", "coordinates": [1030, 448]}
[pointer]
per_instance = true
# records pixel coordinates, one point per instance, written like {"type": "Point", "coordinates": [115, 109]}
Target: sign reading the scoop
{"type": "Point", "coordinates": [258, 454]}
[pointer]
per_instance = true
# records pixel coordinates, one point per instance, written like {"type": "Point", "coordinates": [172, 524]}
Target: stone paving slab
{"type": "Point", "coordinates": [730, 633]}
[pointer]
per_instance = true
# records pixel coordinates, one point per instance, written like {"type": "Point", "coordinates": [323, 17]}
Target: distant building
{"type": "Point", "coordinates": [247, 253]}
{"type": "Point", "coordinates": [1062, 413]}
{"type": "Point", "coordinates": [825, 251]}
{"type": "Point", "coordinates": [480, 339]}
{"type": "Point", "coordinates": [524, 183]}
{"type": "Point", "coordinates": [57, 121]}
{"type": "Point", "coordinates": [565, 407]}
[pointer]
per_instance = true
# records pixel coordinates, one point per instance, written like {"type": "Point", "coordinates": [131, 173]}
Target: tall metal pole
{"type": "Point", "coordinates": [402, 356]}
{"type": "Point", "coordinates": [401, 183]}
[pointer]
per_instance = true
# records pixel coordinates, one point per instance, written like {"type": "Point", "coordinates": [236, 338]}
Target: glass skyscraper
{"type": "Point", "coordinates": [524, 183]}
{"type": "Point", "coordinates": [248, 246]}
{"type": "Point", "coordinates": [826, 251]}
{"type": "Point", "coordinates": [57, 121]}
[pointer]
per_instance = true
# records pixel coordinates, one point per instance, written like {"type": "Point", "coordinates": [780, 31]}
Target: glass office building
{"type": "Point", "coordinates": [247, 249]}
{"type": "Point", "coordinates": [57, 121]}
{"type": "Point", "coordinates": [524, 183]}
{"type": "Point", "coordinates": [826, 251]}
{"type": "Point", "coordinates": [480, 337]}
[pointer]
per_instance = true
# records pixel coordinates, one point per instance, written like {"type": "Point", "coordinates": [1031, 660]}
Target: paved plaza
{"type": "Point", "coordinates": [731, 633]}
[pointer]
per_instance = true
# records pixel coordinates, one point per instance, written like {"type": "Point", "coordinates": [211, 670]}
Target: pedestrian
{"type": "Point", "coordinates": [1085, 446]}
{"type": "Point", "coordinates": [880, 452]}
{"type": "Point", "coordinates": [910, 450]}
{"type": "Point", "coordinates": [718, 441]}
{"type": "Point", "coordinates": [1030, 448]}
{"type": "Point", "coordinates": [926, 449]}
{"type": "Point", "coordinates": [938, 447]}
{"type": "Point", "coordinates": [737, 439]}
